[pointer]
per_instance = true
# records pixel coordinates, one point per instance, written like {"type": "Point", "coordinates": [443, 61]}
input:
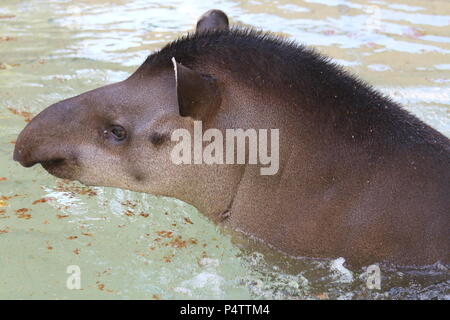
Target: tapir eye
{"type": "Point", "coordinates": [117, 132]}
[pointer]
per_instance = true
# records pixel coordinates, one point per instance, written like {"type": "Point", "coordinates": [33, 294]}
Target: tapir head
{"type": "Point", "coordinates": [120, 135]}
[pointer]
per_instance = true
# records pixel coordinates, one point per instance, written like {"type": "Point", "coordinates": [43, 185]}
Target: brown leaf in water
{"type": "Point", "coordinates": [66, 186]}
{"type": "Point", "coordinates": [87, 234]}
{"type": "Point", "coordinates": [164, 234]}
{"type": "Point", "coordinates": [3, 179]}
{"type": "Point", "coordinates": [7, 38]}
{"type": "Point", "coordinates": [129, 203]}
{"type": "Point", "coordinates": [43, 200]}
{"type": "Point", "coordinates": [145, 215]}
{"type": "Point", "coordinates": [128, 213]}
{"type": "Point", "coordinates": [26, 115]}
{"type": "Point", "coordinates": [4, 231]}
{"type": "Point", "coordinates": [188, 221]}
{"type": "Point", "coordinates": [76, 251]}
{"type": "Point", "coordinates": [168, 259]}
{"type": "Point", "coordinates": [101, 287]}
{"type": "Point", "coordinates": [25, 216]}
{"type": "Point", "coordinates": [155, 297]}
{"type": "Point", "coordinates": [5, 198]}
{"type": "Point", "coordinates": [3, 203]}
{"type": "Point", "coordinates": [72, 237]}
{"type": "Point", "coordinates": [61, 216]}
{"type": "Point", "coordinates": [7, 16]}
{"type": "Point", "coordinates": [177, 242]}
{"type": "Point", "coordinates": [22, 213]}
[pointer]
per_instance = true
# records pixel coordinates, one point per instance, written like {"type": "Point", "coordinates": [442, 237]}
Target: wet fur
{"type": "Point", "coordinates": [318, 86]}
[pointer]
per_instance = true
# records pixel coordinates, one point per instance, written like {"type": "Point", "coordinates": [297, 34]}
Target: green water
{"type": "Point", "coordinates": [130, 245]}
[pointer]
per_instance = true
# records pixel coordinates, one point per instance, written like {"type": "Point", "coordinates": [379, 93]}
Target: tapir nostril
{"type": "Point", "coordinates": [23, 158]}
{"type": "Point", "coordinates": [29, 158]}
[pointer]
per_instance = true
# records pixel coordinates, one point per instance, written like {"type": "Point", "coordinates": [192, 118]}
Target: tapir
{"type": "Point", "coordinates": [359, 177]}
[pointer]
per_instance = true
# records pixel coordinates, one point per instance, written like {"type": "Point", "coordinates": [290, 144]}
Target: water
{"type": "Point", "coordinates": [130, 245]}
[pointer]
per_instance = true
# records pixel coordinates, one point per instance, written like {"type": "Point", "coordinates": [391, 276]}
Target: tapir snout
{"type": "Point", "coordinates": [38, 143]}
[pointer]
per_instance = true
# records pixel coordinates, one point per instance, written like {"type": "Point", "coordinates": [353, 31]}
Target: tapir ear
{"type": "Point", "coordinates": [212, 20]}
{"type": "Point", "coordinates": [197, 94]}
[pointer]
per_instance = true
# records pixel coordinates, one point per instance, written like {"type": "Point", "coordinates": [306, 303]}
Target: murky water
{"type": "Point", "coordinates": [130, 245]}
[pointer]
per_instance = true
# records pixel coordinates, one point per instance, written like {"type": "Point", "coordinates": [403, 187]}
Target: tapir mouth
{"type": "Point", "coordinates": [60, 167]}
{"type": "Point", "coordinates": [53, 163]}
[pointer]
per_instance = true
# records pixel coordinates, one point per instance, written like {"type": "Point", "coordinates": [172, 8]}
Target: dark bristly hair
{"type": "Point", "coordinates": [284, 68]}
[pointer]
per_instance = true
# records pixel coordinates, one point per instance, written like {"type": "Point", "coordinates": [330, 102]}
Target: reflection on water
{"type": "Point", "coordinates": [131, 245]}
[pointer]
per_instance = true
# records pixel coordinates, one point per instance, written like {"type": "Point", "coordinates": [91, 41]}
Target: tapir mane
{"type": "Point", "coordinates": [289, 70]}
{"type": "Point", "coordinates": [259, 58]}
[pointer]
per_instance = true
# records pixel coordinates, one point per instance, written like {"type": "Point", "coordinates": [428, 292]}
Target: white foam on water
{"type": "Point", "coordinates": [205, 280]}
{"type": "Point", "coordinates": [342, 273]}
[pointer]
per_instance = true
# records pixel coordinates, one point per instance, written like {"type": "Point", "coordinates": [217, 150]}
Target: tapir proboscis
{"type": "Point", "coordinates": [359, 177]}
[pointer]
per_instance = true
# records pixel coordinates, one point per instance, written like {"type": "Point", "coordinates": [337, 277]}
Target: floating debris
{"type": "Point", "coordinates": [43, 200]}
{"type": "Point", "coordinates": [129, 203]}
{"type": "Point", "coordinates": [26, 115]}
{"type": "Point", "coordinates": [187, 220]}
{"type": "Point", "coordinates": [67, 186]}
{"type": "Point", "coordinates": [7, 38]}
{"type": "Point", "coordinates": [22, 213]}
{"type": "Point", "coordinates": [128, 213]}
